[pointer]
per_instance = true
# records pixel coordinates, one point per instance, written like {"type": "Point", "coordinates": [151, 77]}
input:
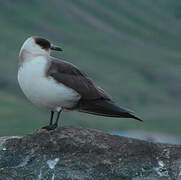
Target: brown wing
{"type": "Point", "coordinates": [69, 75]}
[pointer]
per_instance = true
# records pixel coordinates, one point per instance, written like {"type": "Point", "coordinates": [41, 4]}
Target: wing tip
{"type": "Point", "coordinates": [136, 117]}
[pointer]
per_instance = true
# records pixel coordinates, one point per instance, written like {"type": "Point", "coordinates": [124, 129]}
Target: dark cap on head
{"type": "Point", "coordinates": [45, 44]}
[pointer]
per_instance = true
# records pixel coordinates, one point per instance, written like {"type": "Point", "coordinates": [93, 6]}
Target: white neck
{"type": "Point", "coordinates": [26, 56]}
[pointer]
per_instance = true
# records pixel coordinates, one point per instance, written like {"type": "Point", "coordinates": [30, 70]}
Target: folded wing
{"type": "Point", "coordinates": [94, 100]}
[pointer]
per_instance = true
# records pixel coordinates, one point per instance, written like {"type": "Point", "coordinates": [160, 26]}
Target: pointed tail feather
{"type": "Point", "coordinates": [106, 108]}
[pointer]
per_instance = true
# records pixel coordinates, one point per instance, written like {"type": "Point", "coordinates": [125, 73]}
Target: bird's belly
{"type": "Point", "coordinates": [45, 91]}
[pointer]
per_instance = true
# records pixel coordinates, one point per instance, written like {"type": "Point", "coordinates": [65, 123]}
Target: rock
{"type": "Point", "coordinates": [72, 153]}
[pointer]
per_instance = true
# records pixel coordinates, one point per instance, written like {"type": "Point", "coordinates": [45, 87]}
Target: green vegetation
{"type": "Point", "coordinates": [130, 48]}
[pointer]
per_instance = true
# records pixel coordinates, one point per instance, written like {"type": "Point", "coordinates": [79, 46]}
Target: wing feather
{"type": "Point", "coordinates": [69, 75]}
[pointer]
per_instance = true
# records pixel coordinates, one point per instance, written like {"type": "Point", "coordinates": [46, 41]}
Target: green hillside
{"type": "Point", "coordinates": [130, 48]}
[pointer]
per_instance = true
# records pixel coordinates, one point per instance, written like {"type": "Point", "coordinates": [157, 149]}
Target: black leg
{"type": "Point", "coordinates": [58, 115]}
{"type": "Point", "coordinates": [51, 118]}
{"type": "Point", "coordinates": [52, 126]}
{"type": "Point", "coordinates": [49, 127]}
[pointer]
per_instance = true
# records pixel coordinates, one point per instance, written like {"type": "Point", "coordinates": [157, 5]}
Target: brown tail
{"type": "Point", "coordinates": [106, 108]}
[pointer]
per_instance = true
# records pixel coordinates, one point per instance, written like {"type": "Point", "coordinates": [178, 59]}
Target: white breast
{"type": "Point", "coordinates": [44, 91]}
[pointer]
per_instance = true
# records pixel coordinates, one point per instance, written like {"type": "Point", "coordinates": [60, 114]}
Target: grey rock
{"type": "Point", "coordinates": [72, 153]}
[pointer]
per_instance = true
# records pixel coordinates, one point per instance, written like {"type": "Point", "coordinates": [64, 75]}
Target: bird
{"type": "Point", "coordinates": [58, 85]}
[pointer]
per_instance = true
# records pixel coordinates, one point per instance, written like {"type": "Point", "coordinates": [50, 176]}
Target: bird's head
{"type": "Point", "coordinates": [38, 46]}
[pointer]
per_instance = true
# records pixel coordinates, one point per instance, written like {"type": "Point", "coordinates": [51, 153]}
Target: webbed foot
{"type": "Point", "coordinates": [50, 127]}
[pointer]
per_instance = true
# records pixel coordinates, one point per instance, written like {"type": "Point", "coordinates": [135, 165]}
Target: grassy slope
{"type": "Point", "coordinates": [136, 44]}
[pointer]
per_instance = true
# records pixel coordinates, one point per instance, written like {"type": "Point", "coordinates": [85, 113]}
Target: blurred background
{"type": "Point", "coordinates": [130, 48]}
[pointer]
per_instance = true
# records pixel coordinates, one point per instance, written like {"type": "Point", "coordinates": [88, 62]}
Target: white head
{"type": "Point", "coordinates": [37, 46]}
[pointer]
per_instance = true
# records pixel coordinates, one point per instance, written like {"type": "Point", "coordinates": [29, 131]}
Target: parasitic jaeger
{"type": "Point", "coordinates": [58, 85]}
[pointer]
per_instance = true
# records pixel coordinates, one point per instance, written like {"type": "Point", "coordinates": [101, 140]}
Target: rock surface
{"type": "Point", "coordinates": [72, 153]}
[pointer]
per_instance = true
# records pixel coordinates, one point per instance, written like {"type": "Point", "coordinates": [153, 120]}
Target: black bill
{"type": "Point", "coordinates": [56, 48]}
